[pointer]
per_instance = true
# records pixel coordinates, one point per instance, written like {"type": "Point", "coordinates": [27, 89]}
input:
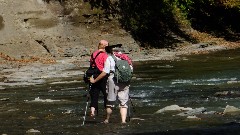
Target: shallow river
{"type": "Point", "coordinates": [58, 108]}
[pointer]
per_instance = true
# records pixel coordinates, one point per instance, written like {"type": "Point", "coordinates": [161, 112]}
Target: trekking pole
{"type": "Point", "coordinates": [129, 111]}
{"type": "Point", "coordinates": [134, 110]}
{"type": "Point", "coordinates": [85, 114]}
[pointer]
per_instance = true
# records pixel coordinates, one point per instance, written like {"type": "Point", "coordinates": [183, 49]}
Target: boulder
{"type": "Point", "coordinates": [193, 112]}
{"type": "Point", "coordinates": [231, 110]}
{"type": "Point", "coordinates": [173, 108]}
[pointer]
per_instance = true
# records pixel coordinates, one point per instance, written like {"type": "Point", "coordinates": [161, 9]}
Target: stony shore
{"type": "Point", "coordinates": [14, 74]}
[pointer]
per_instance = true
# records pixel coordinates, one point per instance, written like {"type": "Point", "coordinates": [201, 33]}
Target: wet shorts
{"type": "Point", "coordinates": [123, 94]}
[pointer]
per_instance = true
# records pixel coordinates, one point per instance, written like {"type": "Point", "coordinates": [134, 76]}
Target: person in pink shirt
{"type": "Point", "coordinates": [98, 81]}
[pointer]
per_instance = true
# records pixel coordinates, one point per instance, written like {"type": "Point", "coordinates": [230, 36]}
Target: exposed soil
{"type": "Point", "coordinates": [37, 39]}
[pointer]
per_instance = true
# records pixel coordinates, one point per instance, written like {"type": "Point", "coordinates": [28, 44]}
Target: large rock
{"type": "Point", "coordinates": [173, 108]}
{"type": "Point", "coordinates": [231, 110]}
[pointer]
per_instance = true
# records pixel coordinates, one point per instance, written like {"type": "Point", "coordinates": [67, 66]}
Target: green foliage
{"type": "Point", "coordinates": [160, 23]}
{"type": "Point", "coordinates": [183, 5]}
{"type": "Point", "coordinates": [216, 17]}
{"type": "Point", "coordinates": [152, 22]}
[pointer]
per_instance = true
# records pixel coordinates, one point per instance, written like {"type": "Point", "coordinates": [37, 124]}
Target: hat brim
{"type": "Point", "coordinates": [115, 45]}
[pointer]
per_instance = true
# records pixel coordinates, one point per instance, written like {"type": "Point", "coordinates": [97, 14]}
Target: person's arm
{"type": "Point", "coordinates": [106, 70]}
{"type": "Point", "coordinates": [92, 80]}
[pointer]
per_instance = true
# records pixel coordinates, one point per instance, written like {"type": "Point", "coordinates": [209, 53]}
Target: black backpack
{"type": "Point", "coordinates": [92, 70]}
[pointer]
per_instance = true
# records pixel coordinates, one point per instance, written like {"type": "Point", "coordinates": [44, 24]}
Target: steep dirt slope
{"type": "Point", "coordinates": [34, 30]}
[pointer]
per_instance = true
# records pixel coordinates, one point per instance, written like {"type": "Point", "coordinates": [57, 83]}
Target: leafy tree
{"type": "Point", "coordinates": [163, 23]}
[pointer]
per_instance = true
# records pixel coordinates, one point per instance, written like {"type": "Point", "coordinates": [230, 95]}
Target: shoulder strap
{"type": "Point", "coordinates": [93, 59]}
{"type": "Point", "coordinates": [124, 57]}
{"type": "Point", "coordinates": [114, 57]}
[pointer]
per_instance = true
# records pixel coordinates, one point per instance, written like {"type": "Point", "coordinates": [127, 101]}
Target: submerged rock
{"type": "Point", "coordinates": [2, 88]}
{"type": "Point", "coordinates": [4, 99]}
{"type": "Point", "coordinates": [194, 117]}
{"type": "Point", "coordinates": [173, 108]}
{"type": "Point", "coordinates": [223, 93]}
{"type": "Point", "coordinates": [193, 112]}
{"type": "Point", "coordinates": [44, 100]}
{"type": "Point", "coordinates": [33, 132]}
{"type": "Point", "coordinates": [137, 119]}
{"type": "Point", "coordinates": [227, 94]}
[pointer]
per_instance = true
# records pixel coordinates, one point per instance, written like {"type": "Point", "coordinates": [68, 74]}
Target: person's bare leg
{"type": "Point", "coordinates": [109, 112]}
{"type": "Point", "coordinates": [123, 112]}
{"type": "Point", "coordinates": [92, 111]}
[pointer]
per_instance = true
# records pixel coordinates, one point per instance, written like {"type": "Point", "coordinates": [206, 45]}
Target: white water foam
{"type": "Point", "coordinates": [211, 81]}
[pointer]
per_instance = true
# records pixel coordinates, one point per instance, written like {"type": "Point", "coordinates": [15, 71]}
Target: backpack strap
{"type": "Point", "coordinates": [124, 57]}
{"type": "Point", "coordinates": [114, 57]}
{"type": "Point", "coordinates": [93, 59]}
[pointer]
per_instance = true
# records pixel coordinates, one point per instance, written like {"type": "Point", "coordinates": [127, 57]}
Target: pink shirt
{"type": "Point", "coordinates": [100, 60]}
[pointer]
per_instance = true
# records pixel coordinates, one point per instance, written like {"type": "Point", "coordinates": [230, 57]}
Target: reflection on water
{"type": "Point", "coordinates": [58, 108]}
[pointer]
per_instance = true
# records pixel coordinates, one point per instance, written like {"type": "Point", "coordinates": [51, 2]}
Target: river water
{"type": "Point", "coordinates": [57, 107]}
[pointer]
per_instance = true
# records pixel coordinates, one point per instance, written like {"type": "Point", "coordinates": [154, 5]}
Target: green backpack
{"type": "Point", "coordinates": [123, 72]}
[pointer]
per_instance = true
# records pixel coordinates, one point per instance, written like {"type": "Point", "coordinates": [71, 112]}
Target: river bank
{"type": "Point", "coordinates": [15, 74]}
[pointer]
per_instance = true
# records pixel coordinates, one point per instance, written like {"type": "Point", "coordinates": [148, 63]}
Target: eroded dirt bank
{"type": "Point", "coordinates": [37, 42]}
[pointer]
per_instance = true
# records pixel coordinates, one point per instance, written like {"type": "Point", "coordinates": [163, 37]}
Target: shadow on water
{"type": "Point", "coordinates": [192, 82]}
{"type": "Point", "coordinates": [225, 129]}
